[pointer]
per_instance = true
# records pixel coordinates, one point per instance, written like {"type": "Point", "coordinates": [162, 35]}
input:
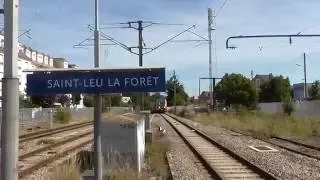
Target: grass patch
{"type": "Point", "coordinates": [156, 158]}
{"type": "Point", "coordinates": [263, 125]}
{"type": "Point", "coordinates": [120, 168]}
{"type": "Point", "coordinates": [62, 116]}
{"type": "Point", "coordinates": [68, 171]}
{"type": "Point", "coordinates": [125, 174]}
{"type": "Point", "coordinates": [46, 141]}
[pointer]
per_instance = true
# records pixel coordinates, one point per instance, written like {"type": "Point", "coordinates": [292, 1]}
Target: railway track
{"type": "Point", "coordinates": [296, 147]}
{"type": "Point", "coordinates": [38, 158]}
{"type": "Point", "coordinates": [49, 132]}
{"type": "Point", "coordinates": [221, 162]}
{"type": "Point", "coordinates": [290, 145]}
{"type": "Point", "coordinates": [35, 159]}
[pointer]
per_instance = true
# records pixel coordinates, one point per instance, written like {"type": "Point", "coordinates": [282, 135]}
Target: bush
{"type": "Point", "coordinates": [62, 116]}
{"type": "Point", "coordinates": [156, 158]}
{"type": "Point", "coordinates": [287, 105]}
{"type": "Point", "coordinates": [65, 172]}
{"type": "Point", "coordinates": [105, 108]}
{"type": "Point", "coordinates": [88, 101]}
{"type": "Point", "coordinates": [202, 109]}
{"type": "Point", "coordinates": [186, 113]}
{"type": "Point", "coordinates": [263, 125]}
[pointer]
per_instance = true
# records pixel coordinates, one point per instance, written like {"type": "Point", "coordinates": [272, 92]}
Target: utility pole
{"type": "Point", "coordinates": [10, 100]}
{"type": "Point", "coordinates": [175, 92]}
{"type": "Point", "coordinates": [305, 76]}
{"type": "Point", "coordinates": [210, 55]}
{"type": "Point", "coordinates": [140, 29]}
{"type": "Point", "coordinates": [140, 45]}
{"type": "Point", "coordinates": [251, 74]}
{"type": "Point", "coordinates": [199, 93]}
{"type": "Point", "coordinates": [97, 101]}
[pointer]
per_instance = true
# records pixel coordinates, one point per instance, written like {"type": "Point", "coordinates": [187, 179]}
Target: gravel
{"type": "Point", "coordinates": [32, 144]}
{"type": "Point", "coordinates": [183, 164]}
{"type": "Point", "coordinates": [45, 172]}
{"type": "Point", "coordinates": [282, 164]}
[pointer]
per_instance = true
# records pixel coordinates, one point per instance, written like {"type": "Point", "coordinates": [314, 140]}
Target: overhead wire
{"type": "Point", "coordinates": [221, 7]}
{"type": "Point", "coordinates": [165, 42]}
{"type": "Point", "coordinates": [198, 35]}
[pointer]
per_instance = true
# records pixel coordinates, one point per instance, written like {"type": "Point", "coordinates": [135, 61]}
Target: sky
{"type": "Point", "coordinates": [57, 25]}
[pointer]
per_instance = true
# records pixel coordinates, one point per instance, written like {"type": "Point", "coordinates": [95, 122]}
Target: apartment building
{"type": "Point", "coordinates": [29, 58]}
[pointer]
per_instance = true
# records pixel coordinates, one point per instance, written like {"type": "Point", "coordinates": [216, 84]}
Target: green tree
{"type": "Point", "coordinates": [315, 90]}
{"type": "Point", "coordinates": [107, 100]}
{"type": "Point", "coordinates": [46, 101]}
{"type": "Point", "coordinates": [237, 89]}
{"type": "Point", "coordinates": [181, 95]}
{"type": "Point", "coordinates": [192, 100]}
{"type": "Point", "coordinates": [64, 100]}
{"type": "Point", "coordinates": [115, 99]}
{"type": "Point", "coordinates": [88, 101]}
{"type": "Point", "coordinates": [275, 90]}
{"type": "Point", "coordinates": [287, 104]}
{"type": "Point", "coordinates": [149, 100]}
{"type": "Point", "coordinates": [25, 102]}
{"type": "Point", "coordinates": [76, 98]}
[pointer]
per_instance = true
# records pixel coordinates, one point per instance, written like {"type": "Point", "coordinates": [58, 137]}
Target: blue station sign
{"type": "Point", "coordinates": [96, 81]}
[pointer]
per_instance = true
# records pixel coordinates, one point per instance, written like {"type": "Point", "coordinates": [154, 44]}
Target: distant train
{"type": "Point", "coordinates": [160, 106]}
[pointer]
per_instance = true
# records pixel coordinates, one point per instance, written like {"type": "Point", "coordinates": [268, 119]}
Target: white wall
{"type": "Point", "coordinates": [28, 53]}
{"type": "Point", "coordinates": [65, 65]}
{"type": "Point", "coordinates": [140, 130]}
{"type": "Point", "coordinates": [34, 56]}
{"type": "Point", "coordinates": [126, 137]}
{"type": "Point", "coordinates": [51, 62]}
{"type": "Point", "coordinates": [46, 60]}
{"type": "Point", "coordinates": [1, 40]}
{"type": "Point", "coordinates": [39, 58]}
{"type": "Point", "coordinates": [23, 64]}
{"type": "Point", "coordinates": [302, 108]}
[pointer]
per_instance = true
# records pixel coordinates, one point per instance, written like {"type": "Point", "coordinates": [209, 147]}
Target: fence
{"type": "Point", "coordinates": [38, 115]}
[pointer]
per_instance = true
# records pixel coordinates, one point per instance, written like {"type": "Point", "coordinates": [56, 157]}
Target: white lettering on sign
{"type": "Point", "coordinates": [75, 82]}
{"type": "Point", "coordinates": [56, 84]}
{"type": "Point", "coordinates": [156, 80]}
{"type": "Point", "coordinates": [91, 83]}
{"type": "Point", "coordinates": [85, 83]}
{"type": "Point", "coordinates": [113, 83]}
{"type": "Point", "coordinates": [70, 83]}
{"type": "Point", "coordinates": [142, 81]}
{"type": "Point", "coordinates": [116, 82]}
{"type": "Point", "coordinates": [149, 80]}
{"type": "Point", "coordinates": [134, 82]}
{"type": "Point", "coordinates": [99, 84]}
{"type": "Point", "coordinates": [126, 81]}
{"type": "Point", "coordinates": [49, 82]}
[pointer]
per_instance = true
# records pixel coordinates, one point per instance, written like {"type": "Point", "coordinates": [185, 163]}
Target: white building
{"type": "Point", "coordinates": [29, 58]}
{"type": "Point", "coordinates": [60, 63]}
